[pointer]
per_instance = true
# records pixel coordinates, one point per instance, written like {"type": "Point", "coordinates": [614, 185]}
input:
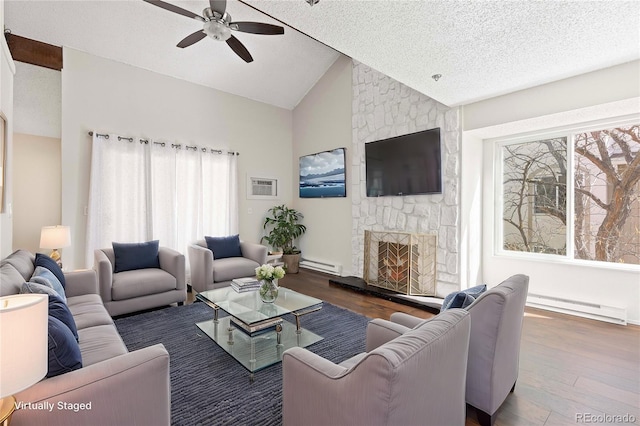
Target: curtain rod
{"type": "Point", "coordinates": [177, 146]}
{"type": "Point", "coordinates": [100, 135]}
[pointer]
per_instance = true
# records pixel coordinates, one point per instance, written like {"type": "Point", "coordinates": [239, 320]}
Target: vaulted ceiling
{"type": "Point", "coordinates": [481, 49]}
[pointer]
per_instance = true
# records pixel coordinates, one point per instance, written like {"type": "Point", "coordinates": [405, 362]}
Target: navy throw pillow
{"type": "Point", "coordinates": [64, 351]}
{"type": "Point", "coordinates": [58, 309]}
{"type": "Point", "coordinates": [44, 276]}
{"type": "Point", "coordinates": [462, 299]}
{"type": "Point", "coordinates": [223, 247]}
{"type": "Point", "coordinates": [130, 256]}
{"type": "Point", "coordinates": [47, 262]}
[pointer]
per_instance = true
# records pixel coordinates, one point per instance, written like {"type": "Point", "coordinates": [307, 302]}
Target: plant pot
{"type": "Point", "coordinates": [291, 262]}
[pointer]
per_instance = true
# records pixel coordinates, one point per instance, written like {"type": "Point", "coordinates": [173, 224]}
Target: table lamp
{"type": "Point", "coordinates": [23, 346]}
{"type": "Point", "coordinates": [54, 238]}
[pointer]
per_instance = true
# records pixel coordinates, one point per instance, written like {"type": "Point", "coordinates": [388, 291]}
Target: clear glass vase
{"type": "Point", "coordinates": [269, 290]}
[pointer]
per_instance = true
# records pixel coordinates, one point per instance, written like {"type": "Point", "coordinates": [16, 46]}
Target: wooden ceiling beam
{"type": "Point", "coordinates": [34, 52]}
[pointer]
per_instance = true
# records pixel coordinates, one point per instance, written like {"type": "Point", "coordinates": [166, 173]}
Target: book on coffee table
{"type": "Point", "coordinates": [245, 284]}
{"type": "Point", "coordinates": [257, 328]}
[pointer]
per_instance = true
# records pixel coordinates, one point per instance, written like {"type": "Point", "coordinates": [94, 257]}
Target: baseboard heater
{"type": "Point", "coordinates": [595, 311]}
{"type": "Point", "coordinates": [321, 266]}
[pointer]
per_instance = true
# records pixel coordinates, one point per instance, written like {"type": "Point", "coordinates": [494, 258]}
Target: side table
{"type": "Point", "coordinates": [275, 259]}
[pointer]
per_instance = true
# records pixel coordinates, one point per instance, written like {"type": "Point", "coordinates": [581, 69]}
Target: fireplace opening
{"type": "Point", "coordinates": [401, 262]}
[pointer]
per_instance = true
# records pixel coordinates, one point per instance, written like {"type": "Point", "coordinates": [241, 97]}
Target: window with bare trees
{"type": "Point", "coordinates": [603, 167]}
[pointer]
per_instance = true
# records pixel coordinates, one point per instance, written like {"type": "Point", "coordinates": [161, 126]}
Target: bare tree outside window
{"type": "Point", "coordinates": [549, 194]}
{"type": "Point", "coordinates": [606, 216]}
{"type": "Point", "coordinates": [607, 209]}
{"type": "Point", "coordinates": [534, 184]}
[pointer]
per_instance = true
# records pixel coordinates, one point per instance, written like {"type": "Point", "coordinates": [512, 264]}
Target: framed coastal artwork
{"type": "Point", "coordinates": [322, 175]}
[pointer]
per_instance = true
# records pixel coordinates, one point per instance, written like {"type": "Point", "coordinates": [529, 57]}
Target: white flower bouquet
{"type": "Point", "coordinates": [269, 272]}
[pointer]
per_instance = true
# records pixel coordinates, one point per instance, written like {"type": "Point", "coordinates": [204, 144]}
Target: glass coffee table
{"type": "Point", "coordinates": [254, 333]}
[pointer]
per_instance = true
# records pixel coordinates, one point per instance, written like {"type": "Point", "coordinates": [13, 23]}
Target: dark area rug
{"type": "Point", "coordinates": [208, 387]}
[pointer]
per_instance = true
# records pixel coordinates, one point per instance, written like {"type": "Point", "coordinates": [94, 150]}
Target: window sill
{"type": "Point", "coordinates": [561, 260]}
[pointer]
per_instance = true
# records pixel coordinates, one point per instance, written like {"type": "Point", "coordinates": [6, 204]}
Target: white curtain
{"type": "Point", "coordinates": [188, 198]}
{"type": "Point", "coordinates": [220, 201]}
{"type": "Point", "coordinates": [156, 190]}
{"type": "Point", "coordinates": [164, 182]}
{"type": "Point", "coordinates": [117, 193]}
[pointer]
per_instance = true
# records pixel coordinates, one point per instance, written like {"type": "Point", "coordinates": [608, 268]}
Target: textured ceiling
{"type": "Point", "coordinates": [481, 48]}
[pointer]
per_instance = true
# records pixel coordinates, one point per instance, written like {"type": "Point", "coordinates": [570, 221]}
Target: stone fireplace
{"type": "Point", "coordinates": [383, 107]}
{"type": "Point", "coordinates": [401, 262]}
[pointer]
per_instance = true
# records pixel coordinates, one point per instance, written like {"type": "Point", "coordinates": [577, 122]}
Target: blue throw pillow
{"type": "Point", "coordinates": [130, 256]}
{"type": "Point", "coordinates": [223, 247]}
{"type": "Point", "coordinates": [32, 287]}
{"type": "Point", "coordinates": [44, 276]}
{"type": "Point", "coordinates": [64, 351]}
{"type": "Point", "coordinates": [462, 299]}
{"type": "Point", "coordinates": [47, 262]}
{"type": "Point", "coordinates": [59, 310]}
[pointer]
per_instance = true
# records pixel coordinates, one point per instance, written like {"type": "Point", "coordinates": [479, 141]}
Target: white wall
{"type": "Point", "coordinates": [591, 89]}
{"type": "Point", "coordinates": [107, 96]}
{"type": "Point", "coordinates": [36, 155]}
{"type": "Point", "coordinates": [523, 112]}
{"type": "Point", "coordinates": [37, 104]}
{"type": "Point", "coordinates": [471, 203]}
{"type": "Point", "coordinates": [321, 122]}
{"type": "Point", "coordinates": [7, 70]}
{"type": "Point", "coordinates": [37, 179]}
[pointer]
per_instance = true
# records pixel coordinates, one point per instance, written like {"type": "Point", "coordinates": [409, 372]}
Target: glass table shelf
{"type": "Point", "coordinates": [254, 333]}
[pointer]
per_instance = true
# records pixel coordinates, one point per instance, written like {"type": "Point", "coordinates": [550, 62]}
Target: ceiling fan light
{"type": "Point", "coordinates": [217, 31]}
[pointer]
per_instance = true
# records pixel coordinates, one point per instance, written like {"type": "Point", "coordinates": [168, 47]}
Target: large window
{"type": "Point", "coordinates": [602, 165]}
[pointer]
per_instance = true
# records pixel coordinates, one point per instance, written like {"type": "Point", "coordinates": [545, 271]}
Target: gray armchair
{"type": "Point", "coordinates": [208, 273]}
{"type": "Point", "coordinates": [136, 290]}
{"type": "Point", "coordinates": [494, 348]}
{"type": "Point", "coordinates": [406, 377]}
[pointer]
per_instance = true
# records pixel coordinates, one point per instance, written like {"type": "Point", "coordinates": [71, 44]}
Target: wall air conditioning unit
{"type": "Point", "coordinates": [262, 188]}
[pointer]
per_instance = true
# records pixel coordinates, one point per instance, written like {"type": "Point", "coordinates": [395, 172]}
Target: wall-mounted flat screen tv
{"type": "Point", "coordinates": [404, 165]}
{"type": "Point", "coordinates": [322, 175]}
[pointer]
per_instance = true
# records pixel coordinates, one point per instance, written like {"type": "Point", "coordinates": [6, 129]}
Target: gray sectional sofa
{"type": "Point", "coordinates": [121, 387]}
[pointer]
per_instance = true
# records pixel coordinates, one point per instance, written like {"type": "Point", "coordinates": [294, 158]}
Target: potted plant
{"type": "Point", "coordinates": [284, 227]}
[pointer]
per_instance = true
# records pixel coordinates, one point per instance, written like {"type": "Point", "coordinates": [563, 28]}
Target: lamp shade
{"type": "Point", "coordinates": [23, 341]}
{"type": "Point", "coordinates": [55, 237]}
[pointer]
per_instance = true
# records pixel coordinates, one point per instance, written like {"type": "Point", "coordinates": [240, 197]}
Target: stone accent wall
{"type": "Point", "coordinates": [383, 108]}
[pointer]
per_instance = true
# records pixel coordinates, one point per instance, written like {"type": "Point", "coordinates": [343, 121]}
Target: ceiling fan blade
{"type": "Point", "coordinates": [257, 28]}
{"type": "Point", "coordinates": [175, 9]}
{"type": "Point", "coordinates": [239, 48]}
{"type": "Point", "coordinates": [192, 38]}
{"type": "Point", "coordinates": [218, 6]}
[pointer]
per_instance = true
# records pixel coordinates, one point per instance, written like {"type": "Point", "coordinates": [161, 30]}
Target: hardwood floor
{"type": "Point", "coordinates": [569, 366]}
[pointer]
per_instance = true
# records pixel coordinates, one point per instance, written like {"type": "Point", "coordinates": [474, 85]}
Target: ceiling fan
{"type": "Point", "coordinates": [218, 25]}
